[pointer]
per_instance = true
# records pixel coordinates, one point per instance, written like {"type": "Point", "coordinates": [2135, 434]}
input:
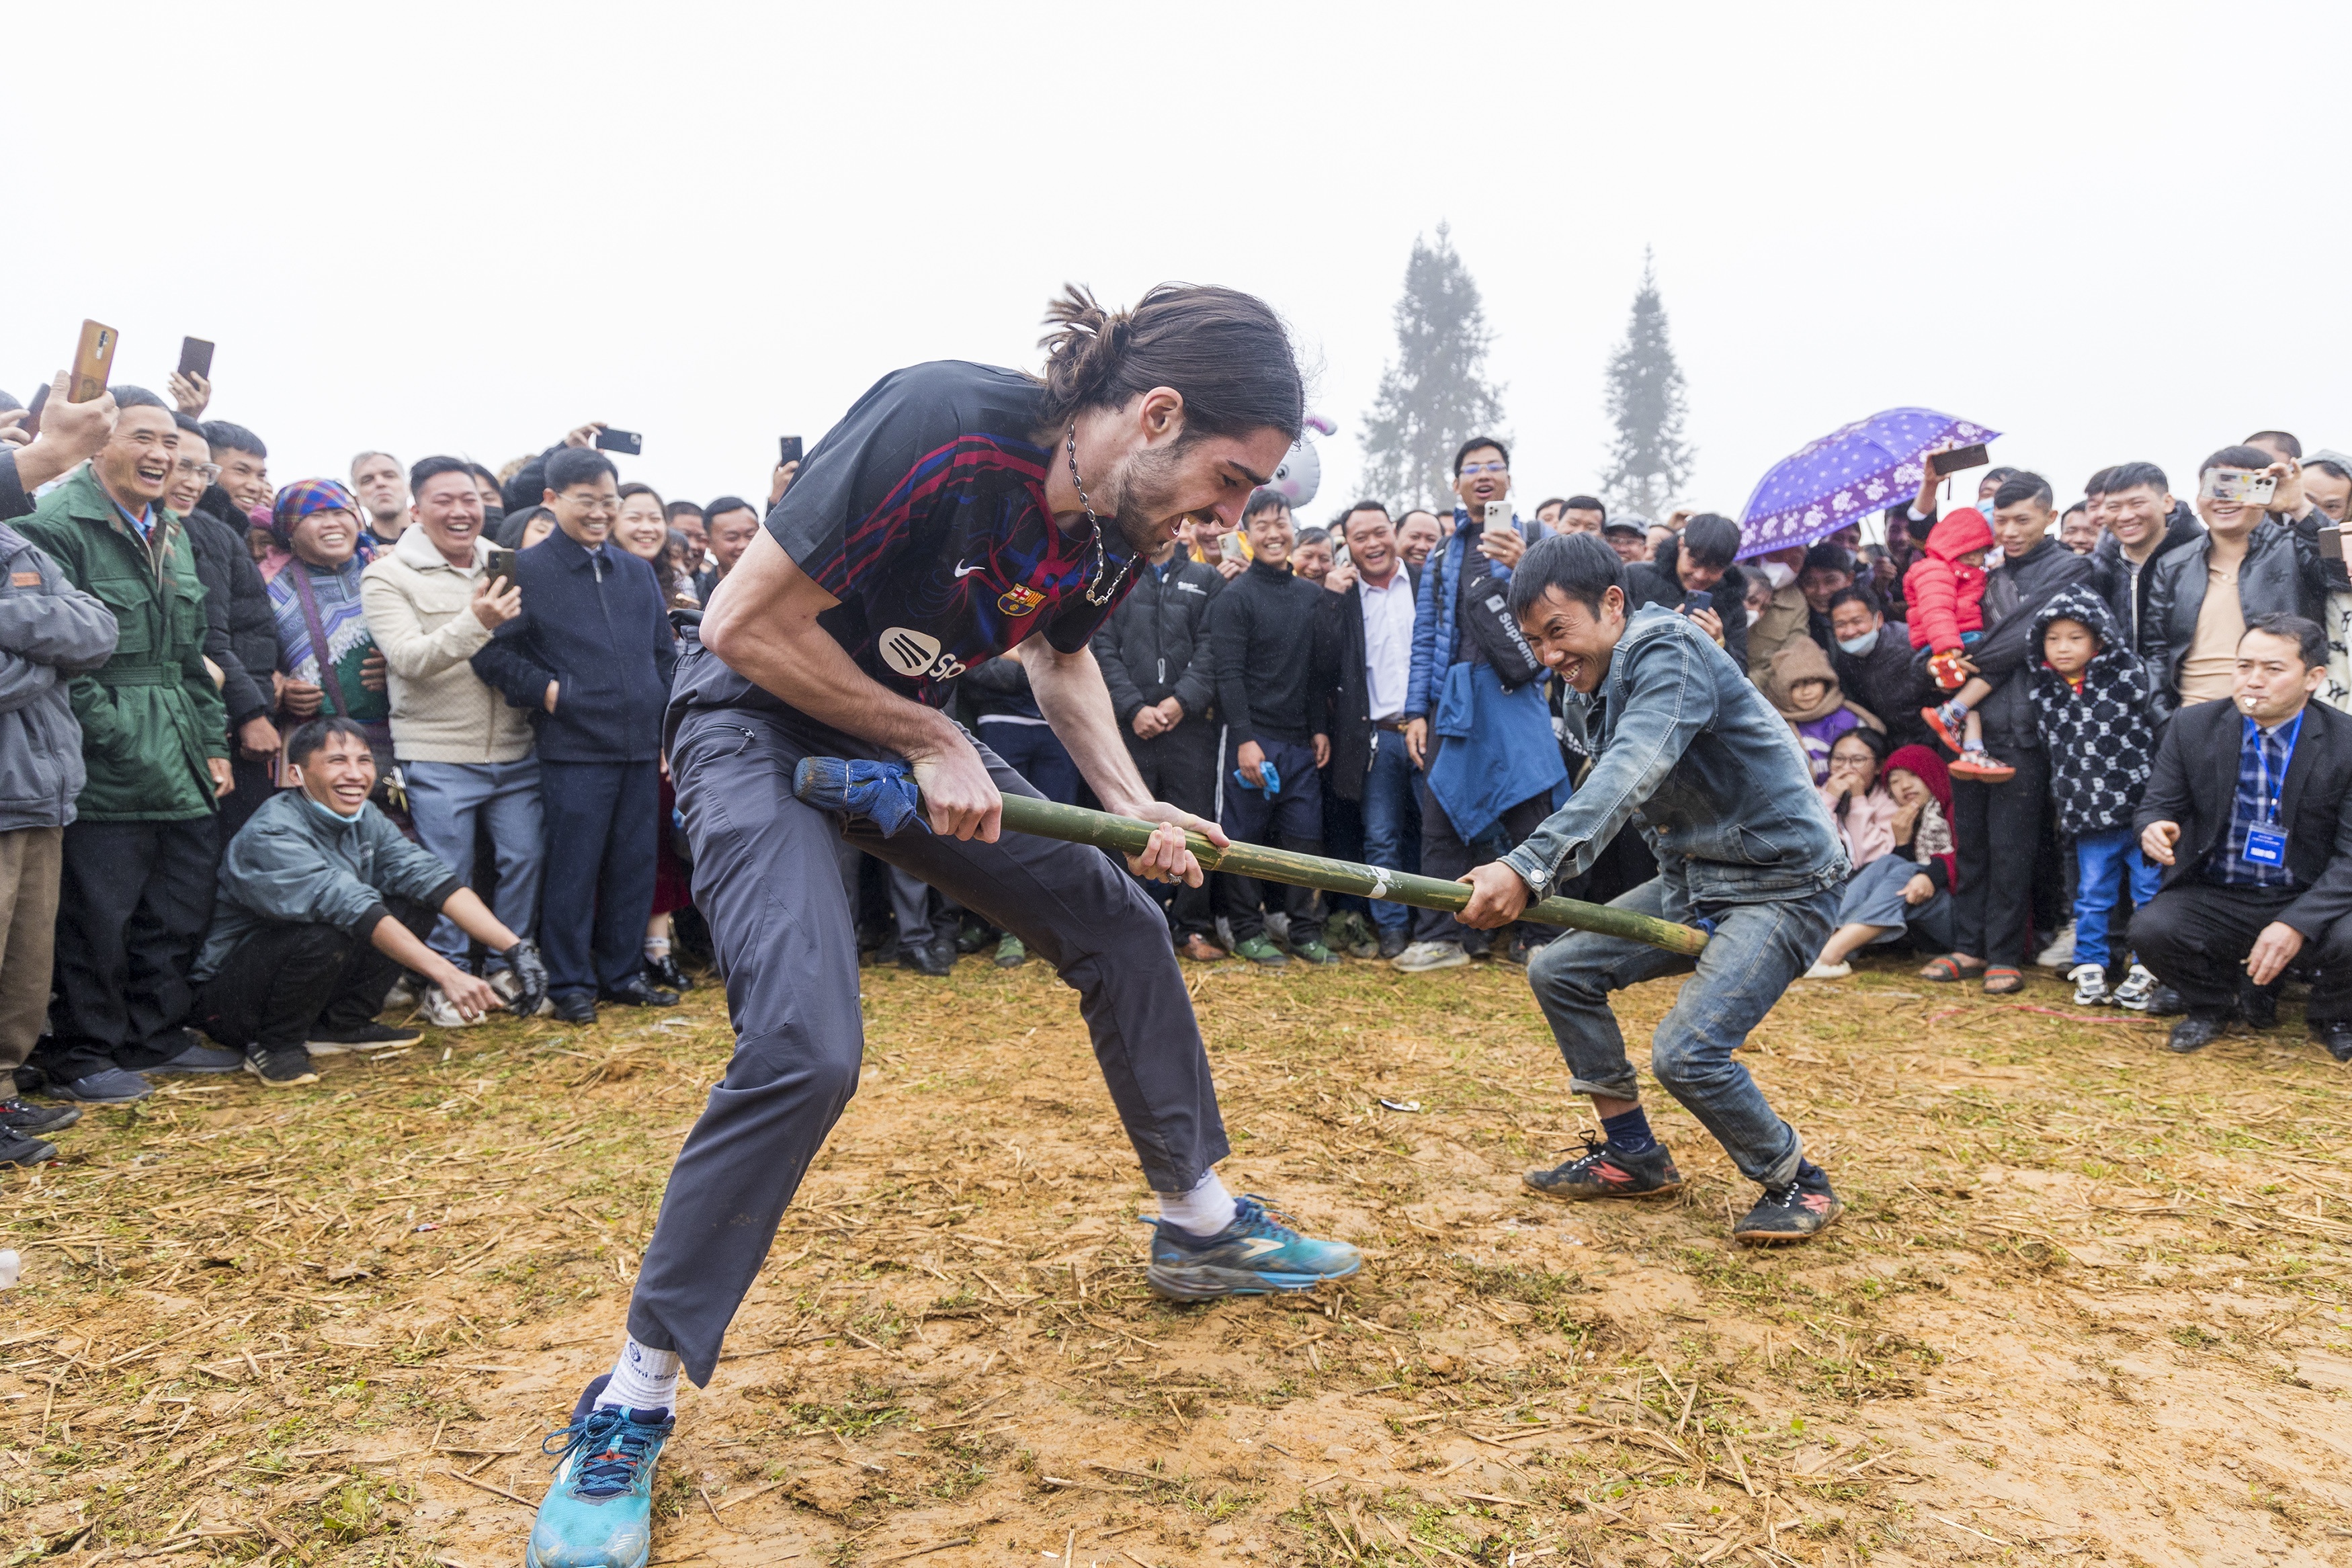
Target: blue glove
{"type": "Point", "coordinates": [882, 792]}
{"type": "Point", "coordinates": [1273, 784]}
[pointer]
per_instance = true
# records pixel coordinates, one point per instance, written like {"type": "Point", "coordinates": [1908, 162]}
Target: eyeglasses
{"type": "Point", "coordinates": [1470, 468]}
{"type": "Point", "coordinates": [207, 471]}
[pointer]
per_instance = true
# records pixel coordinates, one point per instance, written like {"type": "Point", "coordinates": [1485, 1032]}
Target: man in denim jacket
{"type": "Point", "coordinates": [1684, 742]}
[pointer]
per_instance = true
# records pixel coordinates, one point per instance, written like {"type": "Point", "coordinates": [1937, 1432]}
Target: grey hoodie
{"type": "Point", "coordinates": [50, 631]}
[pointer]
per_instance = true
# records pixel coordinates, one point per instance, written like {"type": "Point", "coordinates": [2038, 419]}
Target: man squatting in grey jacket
{"type": "Point", "coordinates": [1683, 740]}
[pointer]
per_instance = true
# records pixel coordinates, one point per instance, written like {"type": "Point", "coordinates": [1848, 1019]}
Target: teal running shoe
{"type": "Point", "coordinates": [598, 1512]}
{"type": "Point", "coordinates": [1259, 1254]}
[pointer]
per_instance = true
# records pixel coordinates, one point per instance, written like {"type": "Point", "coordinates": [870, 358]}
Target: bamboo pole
{"type": "Point", "coordinates": [1076, 824]}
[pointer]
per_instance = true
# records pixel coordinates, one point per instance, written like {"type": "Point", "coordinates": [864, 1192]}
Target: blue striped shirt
{"type": "Point", "coordinates": [2263, 758]}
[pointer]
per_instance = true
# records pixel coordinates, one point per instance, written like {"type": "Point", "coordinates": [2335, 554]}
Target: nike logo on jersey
{"type": "Point", "coordinates": [963, 570]}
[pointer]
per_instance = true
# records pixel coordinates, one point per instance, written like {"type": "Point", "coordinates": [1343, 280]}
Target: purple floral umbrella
{"type": "Point", "coordinates": [1853, 471]}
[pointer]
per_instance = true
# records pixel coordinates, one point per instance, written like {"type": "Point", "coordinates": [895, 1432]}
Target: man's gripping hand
{"type": "Point", "coordinates": [961, 797]}
{"type": "Point", "coordinates": [1498, 896]}
{"type": "Point", "coordinates": [1167, 858]}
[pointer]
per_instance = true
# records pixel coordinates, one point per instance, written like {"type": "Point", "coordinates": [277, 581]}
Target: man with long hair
{"type": "Point", "coordinates": [957, 512]}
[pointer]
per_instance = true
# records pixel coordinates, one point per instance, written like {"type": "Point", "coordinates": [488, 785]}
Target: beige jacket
{"type": "Point", "coordinates": [419, 610]}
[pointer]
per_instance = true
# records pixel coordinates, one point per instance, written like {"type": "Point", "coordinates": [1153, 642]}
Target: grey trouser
{"type": "Point", "coordinates": [30, 862]}
{"type": "Point", "coordinates": [1755, 951]}
{"type": "Point", "coordinates": [766, 876]}
{"type": "Point", "coordinates": [446, 798]}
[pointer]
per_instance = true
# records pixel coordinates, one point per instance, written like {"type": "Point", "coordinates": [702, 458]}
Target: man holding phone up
{"type": "Point", "coordinates": [960, 511]}
{"type": "Point", "coordinates": [1476, 723]}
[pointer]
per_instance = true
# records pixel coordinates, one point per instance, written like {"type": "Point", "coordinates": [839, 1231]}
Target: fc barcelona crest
{"type": "Point", "coordinates": [1019, 602]}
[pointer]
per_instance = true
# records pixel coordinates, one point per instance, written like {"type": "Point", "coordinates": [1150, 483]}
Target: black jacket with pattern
{"type": "Point", "coordinates": [2101, 740]}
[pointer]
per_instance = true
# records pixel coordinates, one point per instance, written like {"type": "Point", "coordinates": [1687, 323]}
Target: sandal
{"type": "Point", "coordinates": [1946, 969]}
{"type": "Point", "coordinates": [2001, 980]}
{"type": "Point", "coordinates": [1984, 769]}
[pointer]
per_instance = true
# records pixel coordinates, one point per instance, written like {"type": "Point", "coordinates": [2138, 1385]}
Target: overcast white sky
{"type": "Point", "coordinates": [2112, 231]}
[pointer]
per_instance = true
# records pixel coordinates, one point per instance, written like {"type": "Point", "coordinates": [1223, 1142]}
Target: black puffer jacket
{"type": "Point", "coordinates": [2015, 593]}
{"type": "Point", "coordinates": [1658, 581]}
{"type": "Point", "coordinates": [2281, 572]}
{"type": "Point", "coordinates": [2102, 740]}
{"type": "Point", "coordinates": [1156, 643]}
{"type": "Point", "coordinates": [237, 608]}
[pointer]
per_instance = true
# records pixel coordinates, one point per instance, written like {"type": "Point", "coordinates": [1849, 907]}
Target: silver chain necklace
{"type": "Point", "coordinates": [1110, 589]}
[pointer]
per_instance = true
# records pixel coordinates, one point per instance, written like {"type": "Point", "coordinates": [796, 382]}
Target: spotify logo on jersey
{"type": "Point", "coordinates": [916, 655]}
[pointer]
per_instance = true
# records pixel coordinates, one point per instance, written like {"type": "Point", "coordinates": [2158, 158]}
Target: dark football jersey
{"type": "Point", "coordinates": [924, 513]}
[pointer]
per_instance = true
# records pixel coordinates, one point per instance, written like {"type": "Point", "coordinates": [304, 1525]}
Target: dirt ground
{"type": "Point", "coordinates": [2089, 1304]}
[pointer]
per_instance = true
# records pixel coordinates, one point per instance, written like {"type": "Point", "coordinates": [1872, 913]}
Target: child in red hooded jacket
{"type": "Point", "coordinates": [1945, 589]}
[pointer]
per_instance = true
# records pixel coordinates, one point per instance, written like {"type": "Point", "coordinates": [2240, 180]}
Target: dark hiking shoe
{"type": "Point", "coordinates": [666, 973]}
{"type": "Point", "coordinates": [1313, 953]}
{"type": "Point", "coordinates": [1011, 952]}
{"type": "Point", "coordinates": [2257, 1005]}
{"type": "Point", "coordinates": [2335, 1036]}
{"type": "Point", "coordinates": [2196, 1031]}
{"type": "Point", "coordinates": [361, 1036]}
{"type": "Point", "coordinates": [2163, 1002]}
{"type": "Point", "coordinates": [1394, 943]}
{"type": "Point", "coordinates": [1798, 1211]}
{"type": "Point", "coordinates": [281, 1067]}
{"type": "Point", "coordinates": [1258, 949]}
{"type": "Point", "coordinates": [196, 1056]}
{"type": "Point", "coordinates": [16, 1149]}
{"type": "Point", "coordinates": [1603, 1170]}
{"type": "Point", "coordinates": [574, 1007]}
{"type": "Point", "coordinates": [114, 1086]}
{"type": "Point", "coordinates": [17, 1116]}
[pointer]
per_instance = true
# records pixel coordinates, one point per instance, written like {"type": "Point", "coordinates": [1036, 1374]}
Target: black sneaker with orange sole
{"type": "Point", "coordinates": [1797, 1210]}
{"type": "Point", "coordinates": [1604, 1170]}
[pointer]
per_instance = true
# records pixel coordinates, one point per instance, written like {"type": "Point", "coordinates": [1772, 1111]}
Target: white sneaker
{"type": "Point", "coordinates": [2060, 954]}
{"type": "Point", "coordinates": [402, 995]}
{"type": "Point", "coordinates": [2090, 985]}
{"type": "Point", "coordinates": [2138, 990]}
{"type": "Point", "coordinates": [1828, 971]}
{"type": "Point", "coordinates": [437, 1010]}
{"type": "Point", "coordinates": [1422, 956]}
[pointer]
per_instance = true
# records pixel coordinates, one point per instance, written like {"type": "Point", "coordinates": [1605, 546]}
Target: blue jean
{"type": "Point", "coordinates": [446, 798]}
{"type": "Point", "coordinates": [1755, 950]}
{"type": "Point", "coordinates": [1037, 753]}
{"type": "Point", "coordinates": [2098, 857]}
{"type": "Point", "coordinates": [602, 822]}
{"type": "Point", "coordinates": [1392, 821]}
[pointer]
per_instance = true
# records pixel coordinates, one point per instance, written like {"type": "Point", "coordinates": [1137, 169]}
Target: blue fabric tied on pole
{"type": "Point", "coordinates": [884, 793]}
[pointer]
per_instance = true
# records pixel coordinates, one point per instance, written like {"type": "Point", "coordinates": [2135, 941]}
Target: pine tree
{"type": "Point", "coordinates": [1649, 462]}
{"type": "Point", "coordinates": [1436, 395]}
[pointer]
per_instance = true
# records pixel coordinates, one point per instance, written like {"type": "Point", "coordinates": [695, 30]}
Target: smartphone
{"type": "Point", "coordinates": [498, 563]}
{"type": "Point", "coordinates": [1694, 602]}
{"type": "Point", "coordinates": [32, 421]}
{"type": "Point", "coordinates": [93, 361]}
{"type": "Point", "coordinates": [788, 449]}
{"type": "Point", "coordinates": [627, 441]}
{"type": "Point", "coordinates": [1498, 514]}
{"type": "Point", "coordinates": [2238, 484]}
{"type": "Point", "coordinates": [1944, 464]}
{"type": "Point", "coordinates": [195, 358]}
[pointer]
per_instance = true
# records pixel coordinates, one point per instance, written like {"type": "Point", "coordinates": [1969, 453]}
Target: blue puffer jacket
{"type": "Point", "coordinates": [1690, 746]}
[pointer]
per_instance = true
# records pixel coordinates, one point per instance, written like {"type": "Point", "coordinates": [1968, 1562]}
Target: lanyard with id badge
{"type": "Point", "coordinates": [2266, 838]}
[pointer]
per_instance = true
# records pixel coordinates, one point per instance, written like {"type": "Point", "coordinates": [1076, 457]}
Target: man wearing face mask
{"type": "Point", "coordinates": [1872, 661]}
{"type": "Point", "coordinates": [1476, 721]}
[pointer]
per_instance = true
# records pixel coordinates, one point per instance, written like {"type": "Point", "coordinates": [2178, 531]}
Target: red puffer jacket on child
{"type": "Point", "coordinates": [1945, 594]}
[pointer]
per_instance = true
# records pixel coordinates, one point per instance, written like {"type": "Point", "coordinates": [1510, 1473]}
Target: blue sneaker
{"type": "Point", "coordinates": [1259, 1253]}
{"type": "Point", "coordinates": [598, 1512]}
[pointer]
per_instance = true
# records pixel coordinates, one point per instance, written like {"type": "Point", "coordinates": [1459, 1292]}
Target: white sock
{"type": "Point", "coordinates": [644, 1379]}
{"type": "Point", "coordinates": [1203, 1211]}
{"type": "Point", "coordinates": [656, 946]}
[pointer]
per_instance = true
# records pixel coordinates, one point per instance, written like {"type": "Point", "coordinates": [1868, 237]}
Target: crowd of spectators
{"type": "Point", "coordinates": [278, 765]}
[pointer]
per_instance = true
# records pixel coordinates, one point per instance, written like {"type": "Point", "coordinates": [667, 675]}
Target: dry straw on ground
{"type": "Point", "coordinates": [2090, 1305]}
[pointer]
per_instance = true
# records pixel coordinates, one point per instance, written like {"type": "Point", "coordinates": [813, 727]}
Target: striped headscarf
{"type": "Point", "coordinates": [304, 497]}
